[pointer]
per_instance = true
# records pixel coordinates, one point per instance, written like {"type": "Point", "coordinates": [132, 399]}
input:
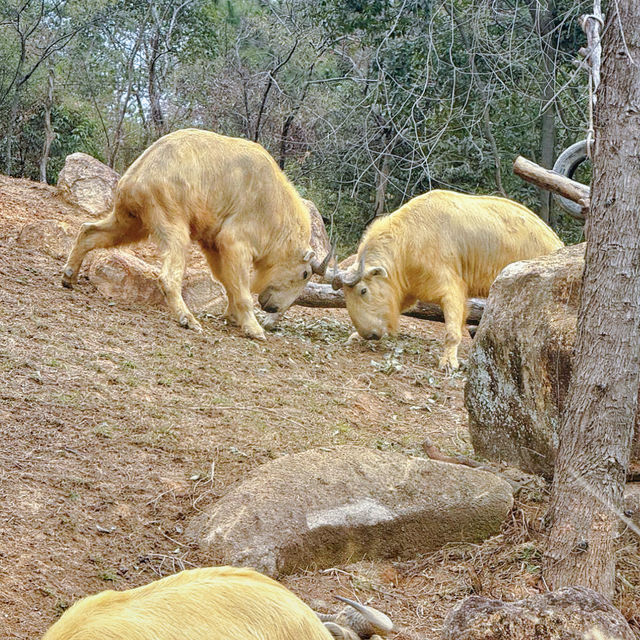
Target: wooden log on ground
{"type": "Point", "coordinates": [323, 296]}
{"type": "Point", "coordinates": [552, 181]}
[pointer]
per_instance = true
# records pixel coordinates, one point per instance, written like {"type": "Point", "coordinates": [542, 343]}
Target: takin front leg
{"type": "Point", "coordinates": [454, 308]}
{"type": "Point", "coordinates": [174, 243]}
{"type": "Point", "coordinates": [231, 265]}
{"type": "Point", "coordinates": [114, 230]}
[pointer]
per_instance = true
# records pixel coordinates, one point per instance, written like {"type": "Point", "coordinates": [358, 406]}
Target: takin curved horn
{"type": "Point", "coordinates": [366, 621]}
{"type": "Point", "coordinates": [349, 278]}
{"type": "Point", "coordinates": [320, 268]}
{"type": "Point", "coordinates": [340, 632]}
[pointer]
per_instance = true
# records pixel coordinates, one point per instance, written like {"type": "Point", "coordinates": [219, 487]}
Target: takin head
{"type": "Point", "coordinates": [370, 297]}
{"type": "Point", "coordinates": [279, 285]}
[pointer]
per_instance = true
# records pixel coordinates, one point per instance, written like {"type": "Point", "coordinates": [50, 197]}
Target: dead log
{"type": "Point", "coordinates": [552, 181]}
{"type": "Point", "coordinates": [323, 296]}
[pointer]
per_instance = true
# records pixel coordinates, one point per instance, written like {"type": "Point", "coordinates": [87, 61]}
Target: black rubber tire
{"type": "Point", "coordinates": [566, 164]}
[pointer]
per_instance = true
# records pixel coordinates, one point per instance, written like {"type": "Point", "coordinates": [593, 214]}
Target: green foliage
{"type": "Point", "coordinates": [363, 103]}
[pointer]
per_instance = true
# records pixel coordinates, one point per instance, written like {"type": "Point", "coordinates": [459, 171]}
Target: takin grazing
{"type": "Point", "coordinates": [215, 603]}
{"type": "Point", "coordinates": [441, 247]}
{"type": "Point", "coordinates": [229, 196]}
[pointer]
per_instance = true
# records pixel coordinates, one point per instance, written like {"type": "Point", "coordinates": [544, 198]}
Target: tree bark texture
{"type": "Point", "coordinates": [597, 426]}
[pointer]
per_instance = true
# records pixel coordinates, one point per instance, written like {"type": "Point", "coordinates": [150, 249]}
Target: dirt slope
{"type": "Point", "coordinates": [118, 427]}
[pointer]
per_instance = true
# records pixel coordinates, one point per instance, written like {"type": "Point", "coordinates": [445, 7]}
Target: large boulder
{"type": "Point", "coordinates": [521, 361]}
{"type": "Point", "coordinates": [87, 183]}
{"type": "Point", "coordinates": [328, 506]}
{"type": "Point", "coordinates": [572, 613]}
{"type": "Point", "coordinates": [121, 276]}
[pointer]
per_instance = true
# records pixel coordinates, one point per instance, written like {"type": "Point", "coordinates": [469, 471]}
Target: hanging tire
{"type": "Point", "coordinates": [566, 165]}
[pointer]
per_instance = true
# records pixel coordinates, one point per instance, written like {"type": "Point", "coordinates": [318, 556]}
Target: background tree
{"type": "Point", "coordinates": [597, 426]}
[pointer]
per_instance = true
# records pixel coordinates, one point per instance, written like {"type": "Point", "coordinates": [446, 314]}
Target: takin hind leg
{"type": "Point", "coordinates": [231, 265]}
{"type": "Point", "coordinates": [116, 229]}
{"type": "Point", "coordinates": [173, 241]}
{"type": "Point", "coordinates": [454, 308]}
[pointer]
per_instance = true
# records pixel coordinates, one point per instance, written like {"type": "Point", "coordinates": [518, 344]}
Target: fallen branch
{"type": "Point", "coordinates": [552, 181]}
{"type": "Point", "coordinates": [435, 454]}
{"type": "Point", "coordinates": [323, 296]}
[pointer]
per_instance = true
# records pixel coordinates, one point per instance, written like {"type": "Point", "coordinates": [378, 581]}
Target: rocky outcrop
{"type": "Point", "coordinates": [87, 183]}
{"type": "Point", "coordinates": [521, 361]}
{"type": "Point", "coordinates": [319, 238]}
{"type": "Point", "coordinates": [121, 276]}
{"type": "Point", "coordinates": [323, 507]}
{"type": "Point", "coordinates": [572, 613]}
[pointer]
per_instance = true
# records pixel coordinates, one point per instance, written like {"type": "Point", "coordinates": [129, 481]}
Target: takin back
{"type": "Point", "coordinates": [441, 247]}
{"type": "Point", "coordinates": [229, 196]}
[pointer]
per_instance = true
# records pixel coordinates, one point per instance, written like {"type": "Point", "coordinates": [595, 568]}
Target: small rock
{"type": "Point", "coordinates": [52, 237]}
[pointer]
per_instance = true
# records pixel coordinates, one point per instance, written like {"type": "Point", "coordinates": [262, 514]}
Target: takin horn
{"type": "Point", "coordinates": [356, 621]}
{"type": "Point", "coordinates": [366, 620]}
{"type": "Point", "coordinates": [320, 268]}
{"type": "Point", "coordinates": [348, 278]}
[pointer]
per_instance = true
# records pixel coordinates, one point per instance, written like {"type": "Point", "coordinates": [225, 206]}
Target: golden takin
{"type": "Point", "coordinates": [441, 247]}
{"type": "Point", "coordinates": [229, 196]}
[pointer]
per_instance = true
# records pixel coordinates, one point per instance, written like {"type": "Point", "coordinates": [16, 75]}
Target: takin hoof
{"type": "Point", "coordinates": [256, 333]}
{"type": "Point", "coordinates": [189, 322]}
{"type": "Point", "coordinates": [448, 364]}
{"type": "Point", "coordinates": [68, 278]}
{"type": "Point", "coordinates": [270, 320]}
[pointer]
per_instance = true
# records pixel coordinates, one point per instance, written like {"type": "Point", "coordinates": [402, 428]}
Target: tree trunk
{"type": "Point", "coordinates": [545, 26]}
{"type": "Point", "coordinates": [49, 135]}
{"type": "Point", "coordinates": [597, 426]}
{"type": "Point", "coordinates": [382, 177]}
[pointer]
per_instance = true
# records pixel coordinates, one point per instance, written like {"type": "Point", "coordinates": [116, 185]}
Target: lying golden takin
{"type": "Point", "coordinates": [214, 603]}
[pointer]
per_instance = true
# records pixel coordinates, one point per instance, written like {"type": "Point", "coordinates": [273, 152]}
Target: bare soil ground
{"type": "Point", "coordinates": [118, 427]}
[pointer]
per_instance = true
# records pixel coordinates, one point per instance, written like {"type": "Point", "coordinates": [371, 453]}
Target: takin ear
{"type": "Point", "coordinates": [309, 253]}
{"type": "Point", "coordinates": [376, 271]}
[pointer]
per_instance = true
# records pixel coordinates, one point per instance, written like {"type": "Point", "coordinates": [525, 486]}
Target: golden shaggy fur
{"type": "Point", "coordinates": [228, 195]}
{"type": "Point", "coordinates": [216, 603]}
{"type": "Point", "coordinates": [440, 247]}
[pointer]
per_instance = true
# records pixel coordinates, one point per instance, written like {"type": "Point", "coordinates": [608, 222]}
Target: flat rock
{"type": "Point", "coordinates": [572, 613]}
{"type": "Point", "coordinates": [121, 276]}
{"type": "Point", "coordinates": [330, 506]}
{"type": "Point", "coordinates": [88, 183]}
{"type": "Point", "coordinates": [52, 237]}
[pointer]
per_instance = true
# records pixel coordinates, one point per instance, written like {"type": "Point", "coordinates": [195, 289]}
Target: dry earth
{"type": "Point", "coordinates": [118, 427]}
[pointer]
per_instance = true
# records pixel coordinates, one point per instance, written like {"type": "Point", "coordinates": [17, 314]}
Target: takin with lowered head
{"type": "Point", "coordinates": [215, 603]}
{"type": "Point", "coordinates": [229, 196]}
{"type": "Point", "coordinates": [441, 247]}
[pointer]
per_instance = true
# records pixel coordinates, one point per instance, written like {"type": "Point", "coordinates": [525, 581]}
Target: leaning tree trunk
{"type": "Point", "coordinates": [597, 426]}
{"type": "Point", "coordinates": [49, 134]}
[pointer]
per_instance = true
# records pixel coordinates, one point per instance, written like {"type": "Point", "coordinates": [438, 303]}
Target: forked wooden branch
{"type": "Point", "coordinates": [552, 181]}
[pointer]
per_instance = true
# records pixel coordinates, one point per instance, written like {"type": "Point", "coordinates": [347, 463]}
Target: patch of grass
{"type": "Point", "coordinates": [108, 576]}
{"type": "Point", "coordinates": [103, 430]}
